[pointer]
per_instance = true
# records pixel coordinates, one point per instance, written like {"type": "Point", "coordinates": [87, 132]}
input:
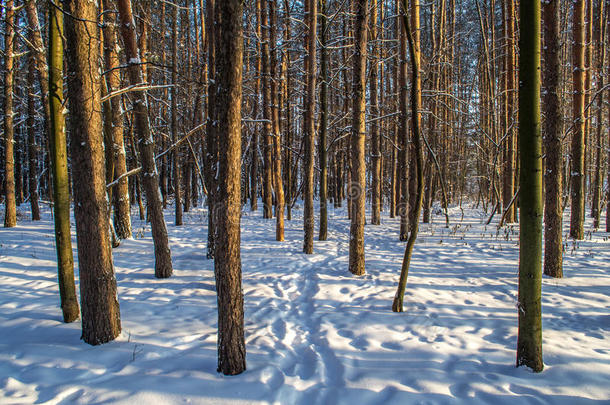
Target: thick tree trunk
{"type": "Point", "coordinates": [59, 166]}
{"type": "Point", "coordinates": [100, 312]}
{"type": "Point", "coordinates": [150, 176]}
{"type": "Point", "coordinates": [529, 340]}
{"type": "Point", "coordinates": [227, 263]}
{"type": "Point", "coordinates": [10, 207]}
{"type": "Point", "coordinates": [553, 244]}
{"type": "Point", "coordinates": [358, 136]}
{"type": "Point", "coordinates": [578, 116]}
{"type": "Point", "coordinates": [309, 120]}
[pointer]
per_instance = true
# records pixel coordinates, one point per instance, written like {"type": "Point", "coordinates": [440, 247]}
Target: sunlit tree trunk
{"type": "Point", "coordinates": [150, 176]}
{"type": "Point", "coordinates": [10, 207]}
{"type": "Point", "coordinates": [227, 263]}
{"type": "Point", "coordinates": [100, 312]}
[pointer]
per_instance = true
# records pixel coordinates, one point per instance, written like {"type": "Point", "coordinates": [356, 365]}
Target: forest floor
{"type": "Point", "coordinates": [314, 333]}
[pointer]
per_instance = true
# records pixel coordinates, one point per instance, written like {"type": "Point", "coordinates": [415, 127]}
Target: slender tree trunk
{"type": "Point", "coordinates": [277, 133]}
{"type": "Point", "coordinates": [578, 115]}
{"type": "Point", "coordinates": [402, 138]}
{"type": "Point", "coordinates": [309, 120]}
{"type": "Point", "coordinates": [268, 124]}
{"type": "Point", "coordinates": [553, 244]}
{"type": "Point", "coordinates": [211, 157]}
{"type": "Point", "coordinates": [413, 36]}
{"type": "Point", "coordinates": [358, 136]}
{"type": "Point", "coordinates": [254, 143]}
{"type": "Point", "coordinates": [529, 340]}
{"type": "Point", "coordinates": [100, 312]}
{"type": "Point", "coordinates": [509, 168]}
{"type": "Point", "coordinates": [322, 155]}
{"type": "Point", "coordinates": [375, 138]}
{"type": "Point", "coordinates": [122, 215]}
{"type": "Point", "coordinates": [32, 147]}
{"type": "Point", "coordinates": [174, 120]}
{"type": "Point", "coordinates": [150, 176]}
{"type": "Point", "coordinates": [227, 263]}
{"type": "Point", "coordinates": [10, 207]}
{"type": "Point", "coordinates": [59, 166]}
{"type": "Point", "coordinates": [597, 185]}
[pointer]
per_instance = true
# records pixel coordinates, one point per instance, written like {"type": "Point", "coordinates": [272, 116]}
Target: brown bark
{"type": "Point", "coordinates": [150, 176]}
{"type": "Point", "coordinates": [100, 312]}
{"type": "Point", "coordinates": [358, 136]}
{"type": "Point", "coordinates": [268, 124]}
{"type": "Point", "coordinates": [174, 121]}
{"type": "Point", "coordinates": [309, 120]}
{"type": "Point", "coordinates": [227, 263]}
{"type": "Point", "coordinates": [10, 208]}
{"type": "Point", "coordinates": [122, 214]}
{"type": "Point", "coordinates": [32, 147]}
{"type": "Point", "coordinates": [375, 137]}
{"type": "Point", "coordinates": [578, 115]}
{"type": "Point", "coordinates": [553, 244]}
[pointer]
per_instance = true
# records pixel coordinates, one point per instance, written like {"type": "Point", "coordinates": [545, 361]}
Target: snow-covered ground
{"type": "Point", "coordinates": [314, 333]}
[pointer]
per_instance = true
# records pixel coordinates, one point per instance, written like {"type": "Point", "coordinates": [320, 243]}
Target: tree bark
{"type": "Point", "coordinates": [10, 206]}
{"type": "Point", "coordinates": [32, 147]}
{"type": "Point", "coordinates": [413, 37]}
{"type": "Point", "coordinates": [174, 120]}
{"type": "Point", "coordinates": [375, 138]}
{"type": "Point", "coordinates": [529, 340]}
{"type": "Point", "coordinates": [578, 116]}
{"type": "Point", "coordinates": [322, 155]}
{"type": "Point", "coordinates": [150, 176]}
{"type": "Point", "coordinates": [309, 120]}
{"type": "Point", "coordinates": [227, 263]}
{"type": "Point", "coordinates": [553, 244]}
{"type": "Point", "coordinates": [358, 136]}
{"type": "Point", "coordinates": [100, 312]}
{"type": "Point", "coordinates": [120, 198]}
{"type": "Point", "coordinates": [59, 166]}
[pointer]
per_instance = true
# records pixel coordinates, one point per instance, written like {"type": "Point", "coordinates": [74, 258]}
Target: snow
{"type": "Point", "coordinates": [314, 333]}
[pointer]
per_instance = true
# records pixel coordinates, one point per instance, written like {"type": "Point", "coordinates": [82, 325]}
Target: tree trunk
{"type": "Point", "coordinates": [578, 116]}
{"type": "Point", "coordinates": [412, 32]}
{"type": "Point", "coordinates": [227, 263]}
{"type": "Point", "coordinates": [375, 138]}
{"type": "Point", "coordinates": [120, 198]}
{"type": "Point", "coordinates": [402, 138]}
{"type": "Point", "coordinates": [277, 133]}
{"type": "Point", "coordinates": [322, 155]}
{"type": "Point", "coordinates": [100, 312]}
{"type": "Point", "coordinates": [174, 120]}
{"type": "Point", "coordinates": [358, 136]}
{"type": "Point", "coordinates": [268, 124]}
{"type": "Point", "coordinates": [553, 244]}
{"type": "Point", "coordinates": [529, 340]}
{"type": "Point", "coordinates": [309, 120]}
{"type": "Point", "coordinates": [59, 166]}
{"type": "Point", "coordinates": [32, 147]}
{"type": "Point", "coordinates": [150, 177]}
{"type": "Point", "coordinates": [10, 207]}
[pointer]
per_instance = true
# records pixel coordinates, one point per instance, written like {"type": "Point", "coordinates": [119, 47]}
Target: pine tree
{"type": "Point", "coordinates": [529, 340]}
{"type": "Point", "coordinates": [100, 312]}
{"type": "Point", "coordinates": [10, 207]}
{"type": "Point", "coordinates": [358, 136]}
{"type": "Point", "coordinates": [59, 167]}
{"type": "Point", "coordinates": [227, 261]}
